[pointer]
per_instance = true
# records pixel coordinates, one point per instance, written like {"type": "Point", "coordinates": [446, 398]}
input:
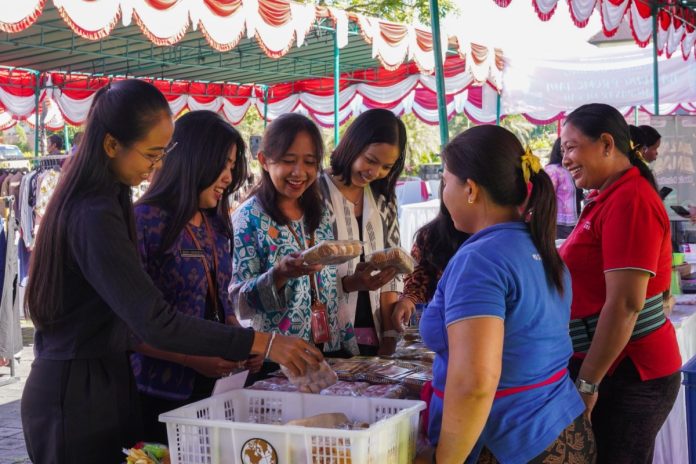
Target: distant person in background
{"type": "Point", "coordinates": [563, 185]}
{"type": "Point", "coordinates": [55, 145]}
{"type": "Point", "coordinates": [436, 243]}
{"type": "Point", "coordinates": [652, 140]}
{"type": "Point", "coordinates": [638, 139]}
{"type": "Point", "coordinates": [77, 138]}
{"type": "Point", "coordinates": [692, 214]}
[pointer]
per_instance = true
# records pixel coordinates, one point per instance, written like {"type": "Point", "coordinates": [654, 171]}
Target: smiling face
{"type": "Point", "coordinates": [135, 163]}
{"type": "Point", "coordinates": [374, 163]}
{"type": "Point", "coordinates": [586, 159]}
{"type": "Point", "coordinates": [211, 196]}
{"type": "Point", "coordinates": [294, 171]}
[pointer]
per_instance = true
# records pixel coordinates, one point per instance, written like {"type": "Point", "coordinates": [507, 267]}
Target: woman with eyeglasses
{"type": "Point", "coordinates": [184, 234]}
{"type": "Point", "coordinates": [92, 302]}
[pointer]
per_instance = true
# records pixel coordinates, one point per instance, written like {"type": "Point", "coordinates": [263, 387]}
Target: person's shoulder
{"type": "Point", "coordinates": [248, 213]}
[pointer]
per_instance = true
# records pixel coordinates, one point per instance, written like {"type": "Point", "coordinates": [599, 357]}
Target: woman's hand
{"type": "Point", "coordinates": [211, 366]}
{"type": "Point", "coordinates": [425, 456]}
{"type": "Point", "coordinates": [254, 363]}
{"type": "Point", "coordinates": [294, 353]}
{"type": "Point", "coordinates": [403, 310]}
{"type": "Point", "coordinates": [590, 402]}
{"type": "Point", "coordinates": [291, 267]}
{"type": "Point", "coordinates": [363, 278]}
{"type": "Point", "coordinates": [387, 346]}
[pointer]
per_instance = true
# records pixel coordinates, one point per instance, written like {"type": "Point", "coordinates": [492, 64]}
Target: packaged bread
{"type": "Point", "coordinates": [386, 391]}
{"type": "Point", "coordinates": [395, 257]}
{"type": "Point", "coordinates": [342, 388]}
{"type": "Point", "coordinates": [315, 379]}
{"type": "Point", "coordinates": [279, 384]}
{"type": "Point", "coordinates": [332, 252]}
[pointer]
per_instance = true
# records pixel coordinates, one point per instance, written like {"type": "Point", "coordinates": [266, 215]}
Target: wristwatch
{"type": "Point", "coordinates": [586, 387]}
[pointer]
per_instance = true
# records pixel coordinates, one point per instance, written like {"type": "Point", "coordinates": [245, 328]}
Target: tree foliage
{"type": "Point", "coordinates": [394, 10]}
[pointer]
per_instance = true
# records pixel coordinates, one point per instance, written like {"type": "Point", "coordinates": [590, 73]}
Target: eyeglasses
{"type": "Point", "coordinates": [154, 159]}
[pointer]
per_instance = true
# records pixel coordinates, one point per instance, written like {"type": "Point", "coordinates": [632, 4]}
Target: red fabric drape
{"type": "Point", "coordinates": [162, 4]}
{"type": "Point", "coordinates": [275, 12]}
{"type": "Point", "coordinates": [223, 7]}
{"type": "Point", "coordinates": [25, 22]}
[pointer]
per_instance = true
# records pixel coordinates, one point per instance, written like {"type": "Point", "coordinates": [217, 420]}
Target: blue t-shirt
{"type": "Point", "coordinates": [499, 273]}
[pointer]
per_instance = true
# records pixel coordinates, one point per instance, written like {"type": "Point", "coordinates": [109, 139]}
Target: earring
{"type": "Point", "coordinates": [606, 153]}
{"type": "Point", "coordinates": [470, 201]}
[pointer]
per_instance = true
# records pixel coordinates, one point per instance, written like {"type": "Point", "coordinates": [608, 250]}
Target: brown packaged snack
{"type": "Point", "coordinates": [395, 257]}
{"type": "Point", "coordinates": [332, 252]}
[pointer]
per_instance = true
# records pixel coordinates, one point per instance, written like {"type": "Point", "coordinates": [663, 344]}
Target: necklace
{"type": "Point", "coordinates": [354, 202]}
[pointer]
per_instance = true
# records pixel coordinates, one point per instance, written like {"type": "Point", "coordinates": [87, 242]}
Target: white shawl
{"type": "Point", "coordinates": [380, 230]}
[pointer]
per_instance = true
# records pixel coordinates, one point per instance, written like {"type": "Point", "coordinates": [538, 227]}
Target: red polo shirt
{"type": "Point", "coordinates": [624, 227]}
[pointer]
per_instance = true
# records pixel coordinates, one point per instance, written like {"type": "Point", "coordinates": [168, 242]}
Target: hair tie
{"type": "Point", "coordinates": [530, 164]}
{"type": "Point", "coordinates": [636, 151]}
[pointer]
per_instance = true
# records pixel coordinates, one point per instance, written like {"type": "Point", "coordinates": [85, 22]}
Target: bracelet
{"type": "Point", "coordinates": [270, 344]}
{"type": "Point", "coordinates": [391, 334]}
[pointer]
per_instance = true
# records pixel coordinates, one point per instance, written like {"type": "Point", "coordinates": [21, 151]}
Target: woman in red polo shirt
{"type": "Point", "coordinates": [619, 256]}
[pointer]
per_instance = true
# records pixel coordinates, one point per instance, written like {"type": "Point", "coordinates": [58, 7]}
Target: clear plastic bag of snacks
{"type": "Point", "coordinates": [342, 388]}
{"type": "Point", "coordinates": [332, 252]}
{"type": "Point", "coordinates": [395, 257]}
{"type": "Point", "coordinates": [315, 379]}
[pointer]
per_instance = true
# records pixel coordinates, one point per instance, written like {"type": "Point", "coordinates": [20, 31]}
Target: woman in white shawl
{"type": "Point", "coordinates": [359, 190]}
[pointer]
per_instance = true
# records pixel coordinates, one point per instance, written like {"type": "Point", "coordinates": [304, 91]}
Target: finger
{"type": "Point", "coordinates": [368, 267]}
{"type": "Point", "coordinates": [313, 351]}
{"type": "Point", "coordinates": [292, 368]}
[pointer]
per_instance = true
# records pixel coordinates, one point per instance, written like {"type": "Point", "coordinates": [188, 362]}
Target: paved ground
{"type": "Point", "coordinates": [12, 449]}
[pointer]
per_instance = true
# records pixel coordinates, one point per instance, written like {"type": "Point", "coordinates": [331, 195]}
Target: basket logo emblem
{"type": "Point", "coordinates": [259, 451]}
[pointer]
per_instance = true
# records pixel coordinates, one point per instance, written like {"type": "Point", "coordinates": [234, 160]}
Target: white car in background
{"type": "Point", "coordinates": [11, 157]}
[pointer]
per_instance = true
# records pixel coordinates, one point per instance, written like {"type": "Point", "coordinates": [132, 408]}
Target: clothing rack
{"type": "Point", "coordinates": [7, 202]}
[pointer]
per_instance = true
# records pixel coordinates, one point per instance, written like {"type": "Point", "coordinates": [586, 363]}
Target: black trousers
{"type": "Point", "coordinates": [629, 413]}
{"type": "Point", "coordinates": [152, 406]}
{"type": "Point", "coordinates": [80, 411]}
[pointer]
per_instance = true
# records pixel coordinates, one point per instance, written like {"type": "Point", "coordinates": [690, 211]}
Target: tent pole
{"type": "Point", "coordinates": [37, 94]}
{"type": "Point", "coordinates": [265, 106]}
{"type": "Point", "coordinates": [66, 137]}
{"type": "Point", "coordinates": [337, 84]}
{"type": "Point", "coordinates": [635, 115]}
{"type": "Point", "coordinates": [439, 72]}
{"type": "Point", "coordinates": [497, 108]}
{"type": "Point", "coordinates": [656, 82]}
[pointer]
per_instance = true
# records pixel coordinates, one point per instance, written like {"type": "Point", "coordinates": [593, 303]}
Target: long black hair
{"type": "Point", "coordinates": [277, 139]}
{"type": "Point", "coordinates": [595, 119]}
{"type": "Point", "coordinates": [438, 241]}
{"type": "Point", "coordinates": [203, 143]}
{"type": "Point", "coordinates": [491, 156]}
{"type": "Point", "coordinates": [372, 126]}
{"type": "Point", "coordinates": [127, 110]}
{"type": "Point", "coordinates": [650, 134]}
{"type": "Point", "coordinates": [556, 156]}
{"type": "Point", "coordinates": [637, 136]}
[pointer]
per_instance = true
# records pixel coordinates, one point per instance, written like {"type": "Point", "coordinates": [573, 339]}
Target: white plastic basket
{"type": "Point", "coordinates": [245, 427]}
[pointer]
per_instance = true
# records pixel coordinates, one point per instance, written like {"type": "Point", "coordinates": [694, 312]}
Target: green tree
{"type": "Point", "coordinates": [394, 10]}
{"type": "Point", "coordinates": [22, 141]}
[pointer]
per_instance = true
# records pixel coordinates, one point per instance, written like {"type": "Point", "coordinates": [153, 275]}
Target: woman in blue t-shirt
{"type": "Point", "coordinates": [499, 319]}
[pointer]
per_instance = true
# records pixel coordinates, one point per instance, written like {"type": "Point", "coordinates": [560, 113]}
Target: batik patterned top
{"type": "Point", "coordinates": [181, 277]}
{"type": "Point", "coordinates": [260, 243]}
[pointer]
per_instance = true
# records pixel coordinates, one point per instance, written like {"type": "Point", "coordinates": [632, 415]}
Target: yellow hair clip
{"type": "Point", "coordinates": [530, 163]}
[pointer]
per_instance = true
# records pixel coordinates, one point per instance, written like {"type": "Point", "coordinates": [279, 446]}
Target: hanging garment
{"type": "Point", "coordinates": [10, 330]}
